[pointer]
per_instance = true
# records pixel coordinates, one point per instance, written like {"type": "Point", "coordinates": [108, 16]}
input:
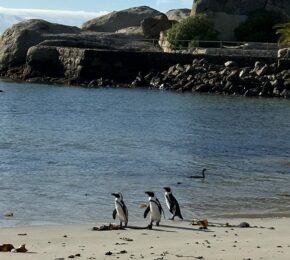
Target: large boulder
{"type": "Point", "coordinates": [239, 7]}
{"type": "Point", "coordinates": [178, 14]}
{"type": "Point", "coordinates": [228, 14]}
{"type": "Point", "coordinates": [15, 41]}
{"type": "Point", "coordinates": [122, 19]}
{"type": "Point", "coordinates": [152, 26]}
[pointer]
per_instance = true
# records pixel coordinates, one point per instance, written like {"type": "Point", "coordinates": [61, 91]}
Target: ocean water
{"type": "Point", "coordinates": [63, 151]}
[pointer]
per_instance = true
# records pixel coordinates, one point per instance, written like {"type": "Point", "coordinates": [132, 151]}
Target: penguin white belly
{"type": "Point", "coordinates": [121, 214]}
{"type": "Point", "coordinates": [155, 213]}
{"type": "Point", "coordinates": [167, 201]}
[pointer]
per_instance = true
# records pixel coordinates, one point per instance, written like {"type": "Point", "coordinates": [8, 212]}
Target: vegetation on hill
{"type": "Point", "coordinates": [283, 30]}
{"type": "Point", "coordinates": [259, 27]}
{"type": "Point", "coordinates": [191, 30]}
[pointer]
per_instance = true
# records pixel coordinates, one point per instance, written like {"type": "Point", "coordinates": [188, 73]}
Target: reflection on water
{"type": "Point", "coordinates": [64, 150]}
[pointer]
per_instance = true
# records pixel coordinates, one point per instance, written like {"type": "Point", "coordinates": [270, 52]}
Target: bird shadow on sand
{"type": "Point", "coordinates": [155, 228]}
{"type": "Point", "coordinates": [186, 228]}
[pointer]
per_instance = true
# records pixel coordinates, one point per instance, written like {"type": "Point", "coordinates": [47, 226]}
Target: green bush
{"type": "Point", "coordinates": [189, 31]}
{"type": "Point", "coordinates": [259, 27]}
{"type": "Point", "coordinates": [283, 30]}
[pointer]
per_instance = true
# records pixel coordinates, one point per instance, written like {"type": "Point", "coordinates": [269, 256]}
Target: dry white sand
{"type": "Point", "coordinates": [172, 240]}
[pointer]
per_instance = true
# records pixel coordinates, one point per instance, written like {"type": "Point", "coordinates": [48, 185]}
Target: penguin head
{"type": "Point", "coordinates": [117, 195]}
{"type": "Point", "coordinates": [204, 170]}
{"type": "Point", "coordinates": [150, 193]}
{"type": "Point", "coordinates": [167, 189]}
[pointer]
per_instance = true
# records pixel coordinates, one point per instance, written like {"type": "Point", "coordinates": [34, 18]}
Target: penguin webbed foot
{"type": "Point", "coordinates": [150, 226]}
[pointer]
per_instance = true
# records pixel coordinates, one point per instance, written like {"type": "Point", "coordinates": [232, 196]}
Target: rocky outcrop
{"type": "Point", "coordinates": [228, 14]}
{"type": "Point", "coordinates": [152, 26]}
{"type": "Point", "coordinates": [122, 19]}
{"type": "Point", "coordinates": [178, 14]}
{"type": "Point", "coordinates": [15, 41]}
{"type": "Point", "coordinates": [239, 7]}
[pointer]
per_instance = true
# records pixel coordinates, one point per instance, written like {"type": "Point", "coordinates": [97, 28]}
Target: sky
{"type": "Point", "coordinates": [73, 12]}
{"type": "Point", "coordinates": [94, 5]}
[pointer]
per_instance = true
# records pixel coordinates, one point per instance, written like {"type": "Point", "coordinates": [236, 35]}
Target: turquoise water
{"type": "Point", "coordinates": [64, 150]}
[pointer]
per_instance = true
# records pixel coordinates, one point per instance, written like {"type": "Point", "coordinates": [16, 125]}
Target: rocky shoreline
{"type": "Point", "coordinates": [104, 54]}
{"type": "Point", "coordinates": [200, 76]}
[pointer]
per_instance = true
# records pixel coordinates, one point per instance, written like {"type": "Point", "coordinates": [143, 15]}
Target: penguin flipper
{"type": "Point", "coordinates": [146, 211]}
{"type": "Point", "coordinates": [114, 214]}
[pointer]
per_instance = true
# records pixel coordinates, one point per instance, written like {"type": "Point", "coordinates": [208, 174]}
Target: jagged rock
{"type": "Point", "coordinates": [178, 14]}
{"type": "Point", "coordinates": [122, 19]}
{"type": "Point", "coordinates": [233, 77]}
{"type": "Point", "coordinates": [152, 26]}
{"type": "Point", "coordinates": [230, 64]}
{"type": "Point", "coordinates": [15, 41]}
{"type": "Point", "coordinates": [264, 70]}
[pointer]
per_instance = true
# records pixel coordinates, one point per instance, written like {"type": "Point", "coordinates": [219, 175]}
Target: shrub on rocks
{"type": "Point", "coordinates": [192, 29]}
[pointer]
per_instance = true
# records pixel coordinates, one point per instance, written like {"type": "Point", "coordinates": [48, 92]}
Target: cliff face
{"type": "Point", "coordinates": [228, 14]}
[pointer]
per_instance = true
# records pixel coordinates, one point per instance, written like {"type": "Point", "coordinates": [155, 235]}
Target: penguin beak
{"type": "Point", "coordinates": [114, 194]}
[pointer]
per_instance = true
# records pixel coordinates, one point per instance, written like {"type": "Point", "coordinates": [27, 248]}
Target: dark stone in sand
{"type": "Point", "coordinates": [244, 225]}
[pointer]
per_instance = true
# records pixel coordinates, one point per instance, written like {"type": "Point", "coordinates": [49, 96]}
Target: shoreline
{"type": "Point", "coordinates": [171, 240]}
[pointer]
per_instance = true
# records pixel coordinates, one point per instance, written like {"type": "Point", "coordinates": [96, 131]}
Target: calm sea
{"type": "Point", "coordinates": [64, 150]}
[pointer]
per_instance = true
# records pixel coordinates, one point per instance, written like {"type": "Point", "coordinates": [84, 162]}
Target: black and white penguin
{"type": "Point", "coordinates": [172, 204]}
{"type": "Point", "coordinates": [120, 209]}
{"type": "Point", "coordinates": [155, 209]}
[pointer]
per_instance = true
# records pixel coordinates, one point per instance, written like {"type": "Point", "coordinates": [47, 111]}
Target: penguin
{"type": "Point", "coordinates": [120, 209]}
{"type": "Point", "coordinates": [155, 209]}
{"type": "Point", "coordinates": [198, 176]}
{"type": "Point", "coordinates": [172, 204]}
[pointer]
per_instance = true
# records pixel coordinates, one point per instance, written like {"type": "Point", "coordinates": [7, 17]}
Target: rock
{"type": "Point", "coordinates": [134, 31]}
{"type": "Point", "coordinates": [284, 53]}
{"type": "Point", "coordinates": [6, 248]}
{"type": "Point", "coordinates": [230, 64]}
{"type": "Point", "coordinates": [233, 77]}
{"type": "Point", "coordinates": [245, 7]}
{"type": "Point", "coordinates": [152, 26]}
{"type": "Point", "coordinates": [276, 92]}
{"type": "Point", "coordinates": [244, 72]}
{"type": "Point", "coordinates": [203, 88]}
{"type": "Point", "coordinates": [108, 253]}
{"type": "Point", "coordinates": [228, 14]}
{"type": "Point", "coordinates": [178, 14]}
{"type": "Point", "coordinates": [20, 249]}
{"type": "Point", "coordinates": [15, 41]}
{"type": "Point", "coordinates": [285, 93]}
{"type": "Point", "coordinates": [122, 19]}
{"type": "Point", "coordinates": [244, 225]}
{"type": "Point", "coordinates": [43, 61]}
{"type": "Point", "coordinates": [263, 71]}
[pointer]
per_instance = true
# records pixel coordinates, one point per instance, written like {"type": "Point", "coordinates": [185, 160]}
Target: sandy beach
{"type": "Point", "coordinates": [270, 239]}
